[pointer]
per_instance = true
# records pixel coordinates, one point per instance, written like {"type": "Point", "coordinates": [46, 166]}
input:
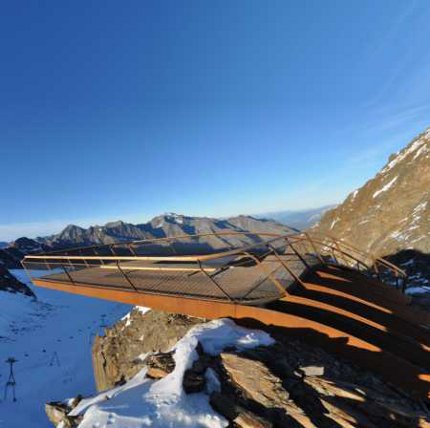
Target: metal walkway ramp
{"type": "Point", "coordinates": [316, 288]}
{"type": "Point", "coordinates": [245, 268]}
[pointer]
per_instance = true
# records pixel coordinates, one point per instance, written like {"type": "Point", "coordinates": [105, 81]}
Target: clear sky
{"type": "Point", "coordinates": [127, 109]}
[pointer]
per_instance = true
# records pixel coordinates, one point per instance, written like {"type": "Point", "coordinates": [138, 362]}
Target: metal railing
{"type": "Point", "coordinates": [245, 267]}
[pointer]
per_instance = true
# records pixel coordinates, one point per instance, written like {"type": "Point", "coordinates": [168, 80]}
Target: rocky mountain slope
{"type": "Point", "coordinates": [391, 212]}
{"type": "Point", "coordinates": [220, 374]}
{"type": "Point", "coordinates": [10, 258]}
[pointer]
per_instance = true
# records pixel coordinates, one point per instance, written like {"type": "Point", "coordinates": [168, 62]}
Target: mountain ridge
{"type": "Point", "coordinates": [389, 216]}
{"type": "Point", "coordinates": [164, 225]}
{"type": "Point", "coordinates": [390, 212]}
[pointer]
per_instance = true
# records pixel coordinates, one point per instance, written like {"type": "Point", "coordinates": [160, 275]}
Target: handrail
{"type": "Point", "coordinates": [325, 248]}
{"type": "Point", "coordinates": [362, 253]}
{"type": "Point", "coordinates": [204, 257]}
{"type": "Point", "coordinates": [165, 238]}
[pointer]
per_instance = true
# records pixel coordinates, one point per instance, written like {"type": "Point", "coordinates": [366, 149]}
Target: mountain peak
{"type": "Point", "coordinates": [116, 223]}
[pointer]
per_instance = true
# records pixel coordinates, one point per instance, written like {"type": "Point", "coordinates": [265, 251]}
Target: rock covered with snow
{"type": "Point", "coordinates": [391, 212]}
{"type": "Point", "coordinates": [121, 351]}
{"type": "Point", "coordinates": [249, 378]}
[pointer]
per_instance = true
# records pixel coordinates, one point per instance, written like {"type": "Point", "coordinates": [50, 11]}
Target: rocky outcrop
{"type": "Point", "coordinates": [273, 387]}
{"type": "Point", "coordinates": [10, 284]}
{"type": "Point", "coordinates": [10, 258]}
{"type": "Point", "coordinates": [58, 412]}
{"type": "Point", "coordinates": [159, 365]}
{"type": "Point", "coordinates": [286, 384]}
{"type": "Point", "coordinates": [121, 352]}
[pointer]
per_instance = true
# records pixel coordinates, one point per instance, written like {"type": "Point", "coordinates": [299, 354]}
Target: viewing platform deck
{"type": "Point", "coordinates": [316, 289]}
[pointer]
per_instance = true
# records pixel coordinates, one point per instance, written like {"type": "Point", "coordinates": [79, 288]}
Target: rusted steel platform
{"type": "Point", "coordinates": [304, 286]}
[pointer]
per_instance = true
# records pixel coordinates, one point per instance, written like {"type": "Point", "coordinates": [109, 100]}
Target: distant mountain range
{"type": "Point", "coordinates": [301, 219]}
{"type": "Point", "coordinates": [161, 226]}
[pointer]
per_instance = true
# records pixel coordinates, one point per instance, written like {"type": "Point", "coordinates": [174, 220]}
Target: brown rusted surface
{"type": "Point", "coordinates": [374, 315]}
{"type": "Point", "coordinates": [367, 291]}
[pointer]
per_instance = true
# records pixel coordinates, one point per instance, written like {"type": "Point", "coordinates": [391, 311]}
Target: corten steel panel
{"type": "Point", "coordinates": [365, 290]}
{"type": "Point", "coordinates": [375, 315]}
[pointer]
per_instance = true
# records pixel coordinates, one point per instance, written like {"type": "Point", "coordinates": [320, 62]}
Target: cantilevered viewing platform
{"type": "Point", "coordinates": [318, 289]}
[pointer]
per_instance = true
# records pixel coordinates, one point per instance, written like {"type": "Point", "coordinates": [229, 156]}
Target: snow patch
{"type": "Point", "coordinates": [127, 318]}
{"type": "Point", "coordinates": [417, 144]}
{"type": "Point", "coordinates": [354, 194]}
{"type": "Point", "coordinates": [413, 291]}
{"type": "Point", "coordinates": [385, 188]}
{"type": "Point", "coordinates": [334, 222]}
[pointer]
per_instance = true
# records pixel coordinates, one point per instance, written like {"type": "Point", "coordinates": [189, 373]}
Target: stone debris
{"type": "Point", "coordinates": [287, 384]}
{"type": "Point", "coordinates": [160, 365]}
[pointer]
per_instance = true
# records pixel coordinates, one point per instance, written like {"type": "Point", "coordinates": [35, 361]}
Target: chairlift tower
{"type": "Point", "coordinates": [11, 382]}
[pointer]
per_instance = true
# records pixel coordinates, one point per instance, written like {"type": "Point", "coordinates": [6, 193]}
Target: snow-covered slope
{"type": "Point", "coordinates": [51, 339]}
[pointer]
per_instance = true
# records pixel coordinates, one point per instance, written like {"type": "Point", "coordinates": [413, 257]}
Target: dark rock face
{"type": "Point", "coordinates": [122, 352]}
{"type": "Point", "coordinates": [11, 258]}
{"type": "Point", "coordinates": [391, 212]}
{"type": "Point", "coordinates": [10, 284]}
{"type": "Point", "coordinates": [28, 246]}
{"type": "Point", "coordinates": [12, 254]}
{"type": "Point", "coordinates": [160, 365]}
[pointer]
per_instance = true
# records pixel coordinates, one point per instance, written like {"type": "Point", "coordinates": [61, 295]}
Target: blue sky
{"type": "Point", "coordinates": [128, 109]}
